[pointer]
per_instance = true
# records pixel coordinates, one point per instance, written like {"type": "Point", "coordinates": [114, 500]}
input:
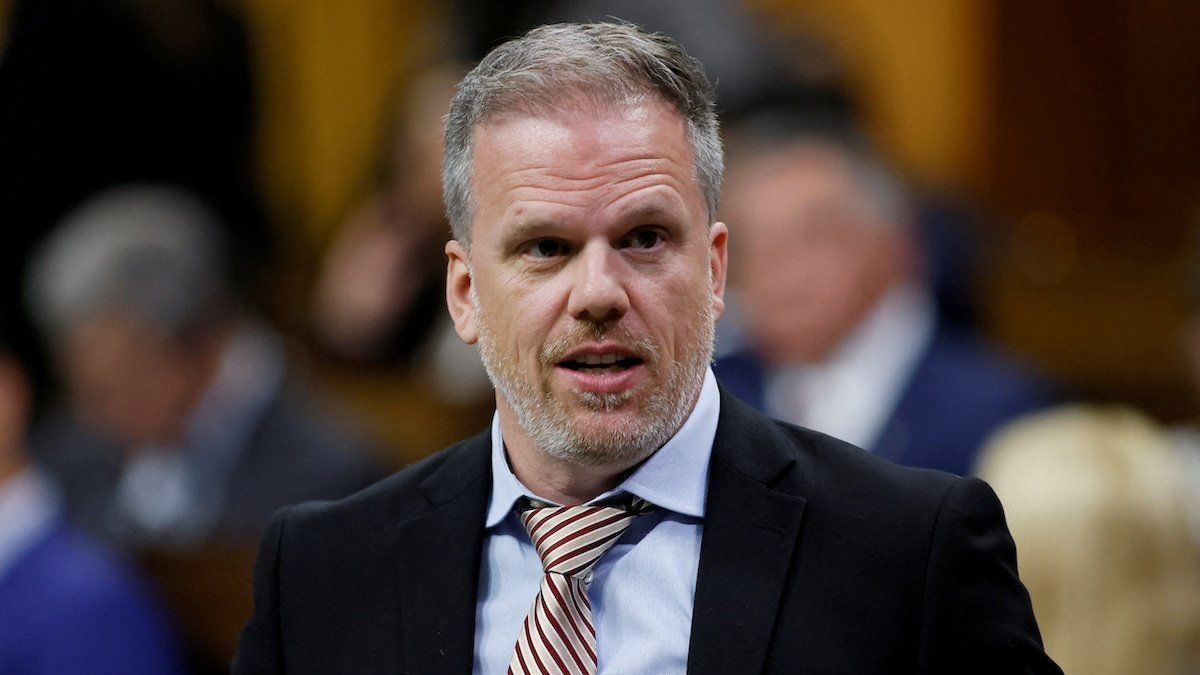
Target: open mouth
{"type": "Point", "coordinates": [600, 364]}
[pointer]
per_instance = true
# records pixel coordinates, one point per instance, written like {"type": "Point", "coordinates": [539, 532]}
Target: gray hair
{"type": "Point", "coordinates": [148, 251]}
{"type": "Point", "coordinates": [602, 62]}
{"type": "Point", "coordinates": [881, 185]}
{"type": "Point", "coordinates": [783, 129]}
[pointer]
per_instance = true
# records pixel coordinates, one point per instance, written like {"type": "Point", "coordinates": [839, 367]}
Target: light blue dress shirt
{"type": "Point", "coordinates": [642, 590]}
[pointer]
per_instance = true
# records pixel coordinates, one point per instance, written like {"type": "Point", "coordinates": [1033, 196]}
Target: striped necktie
{"type": "Point", "coordinates": [558, 635]}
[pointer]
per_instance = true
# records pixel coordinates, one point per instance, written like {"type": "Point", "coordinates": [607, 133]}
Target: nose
{"type": "Point", "coordinates": [598, 291]}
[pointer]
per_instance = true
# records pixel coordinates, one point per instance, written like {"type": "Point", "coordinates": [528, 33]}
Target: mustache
{"type": "Point", "coordinates": [557, 349]}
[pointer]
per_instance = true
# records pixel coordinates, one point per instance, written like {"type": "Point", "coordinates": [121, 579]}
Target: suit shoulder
{"type": "Point", "coordinates": [889, 507]}
{"type": "Point", "coordinates": [819, 467]}
{"type": "Point", "coordinates": [835, 463]}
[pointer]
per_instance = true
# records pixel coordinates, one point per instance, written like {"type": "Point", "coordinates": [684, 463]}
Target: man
{"type": "Point", "coordinates": [185, 426]}
{"type": "Point", "coordinates": [840, 331]}
{"type": "Point", "coordinates": [582, 168]}
{"type": "Point", "coordinates": [66, 605]}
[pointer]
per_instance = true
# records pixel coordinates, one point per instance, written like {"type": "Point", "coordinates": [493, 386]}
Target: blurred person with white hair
{"type": "Point", "coordinates": [839, 331]}
{"type": "Point", "coordinates": [185, 422]}
{"type": "Point", "coordinates": [1096, 502]}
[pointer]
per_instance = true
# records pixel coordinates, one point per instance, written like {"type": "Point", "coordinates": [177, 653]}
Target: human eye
{"type": "Point", "coordinates": [644, 239]}
{"type": "Point", "coordinates": [546, 249]}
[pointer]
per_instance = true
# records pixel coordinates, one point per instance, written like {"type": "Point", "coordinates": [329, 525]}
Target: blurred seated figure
{"type": "Point", "coordinates": [381, 288]}
{"type": "Point", "coordinates": [380, 295]}
{"type": "Point", "coordinates": [185, 423]}
{"type": "Point", "coordinates": [839, 331]}
{"type": "Point", "coordinates": [1096, 506]}
{"type": "Point", "coordinates": [66, 605]}
{"type": "Point", "coordinates": [378, 316]}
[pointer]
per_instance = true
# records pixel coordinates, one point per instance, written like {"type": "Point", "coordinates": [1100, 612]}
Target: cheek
{"type": "Point", "coordinates": [519, 316]}
{"type": "Point", "coordinates": [678, 305]}
{"type": "Point", "coordinates": [95, 393]}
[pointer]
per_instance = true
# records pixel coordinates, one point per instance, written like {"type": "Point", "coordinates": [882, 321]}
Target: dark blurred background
{"type": "Point", "coordinates": [1053, 149]}
{"type": "Point", "coordinates": [1074, 125]}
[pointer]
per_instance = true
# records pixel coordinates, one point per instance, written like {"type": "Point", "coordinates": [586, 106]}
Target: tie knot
{"type": "Point", "coordinates": [570, 539]}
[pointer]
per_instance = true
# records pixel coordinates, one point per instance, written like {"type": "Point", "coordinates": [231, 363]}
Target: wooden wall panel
{"type": "Point", "coordinates": [1097, 134]}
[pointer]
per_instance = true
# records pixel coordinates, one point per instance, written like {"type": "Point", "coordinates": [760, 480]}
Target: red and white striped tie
{"type": "Point", "coordinates": [558, 635]}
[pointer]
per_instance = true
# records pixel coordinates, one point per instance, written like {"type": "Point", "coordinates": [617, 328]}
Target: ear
{"type": "Point", "coordinates": [458, 291]}
{"type": "Point", "coordinates": [718, 261]}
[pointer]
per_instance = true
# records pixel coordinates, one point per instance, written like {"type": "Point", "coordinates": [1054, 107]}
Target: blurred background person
{"type": "Point", "coordinates": [379, 299]}
{"type": "Point", "coordinates": [839, 330]}
{"type": "Point", "coordinates": [66, 605]}
{"type": "Point", "coordinates": [1097, 507]}
{"type": "Point", "coordinates": [381, 290]}
{"type": "Point", "coordinates": [377, 322]}
{"type": "Point", "coordinates": [185, 421]}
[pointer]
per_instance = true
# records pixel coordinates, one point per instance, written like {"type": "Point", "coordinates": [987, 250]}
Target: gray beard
{"type": "Point", "coordinates": [547, 421]}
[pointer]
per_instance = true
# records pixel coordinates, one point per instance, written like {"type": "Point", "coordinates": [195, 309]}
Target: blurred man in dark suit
{"type": "Point", "coordinates": [623, 514]}
{"type": "Point", "coordinates": [840, 332]}
{"type": "Point", "coordinates": [185, 423]}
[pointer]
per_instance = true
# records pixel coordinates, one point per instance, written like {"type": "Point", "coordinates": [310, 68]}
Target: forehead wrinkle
{"type": "Point", "coordinates": [664, 196]}
{"type": "Point", "coordinates": [597, 172]}
{"type": "Point", "coordinates": [585, 177]}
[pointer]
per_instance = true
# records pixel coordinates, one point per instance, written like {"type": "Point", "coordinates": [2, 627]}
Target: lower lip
{"type": "Point", "coordinates": [604, 383]}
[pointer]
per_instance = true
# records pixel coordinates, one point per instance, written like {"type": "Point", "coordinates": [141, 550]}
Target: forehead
{"type": "Point", "coordinates": [585, 158]}
{"type": "Point", "coordinates": [812, 170]}
{"type": "Point", "coordinates": [806, 179]}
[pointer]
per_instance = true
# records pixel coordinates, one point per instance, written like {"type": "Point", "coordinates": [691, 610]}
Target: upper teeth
{"type": "Point", "coordinates": [598, 359]}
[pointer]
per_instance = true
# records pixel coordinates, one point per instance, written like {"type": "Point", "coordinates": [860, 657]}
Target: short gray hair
{"type": "Point", "coordinates": [150, 251]}
{"type": "Point", "coordinates": [774, 129]}
{"type": "Point", "coordinates": [543, 69]}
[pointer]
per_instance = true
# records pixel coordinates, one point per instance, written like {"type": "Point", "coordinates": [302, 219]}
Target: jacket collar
{"type": "Point", "coordinates": [437, 563]}
{"type": "Point", "coordinates": [751, 533]}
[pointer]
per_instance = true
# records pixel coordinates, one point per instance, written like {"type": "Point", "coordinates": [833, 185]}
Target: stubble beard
{"type": "Point", "coordinates": [547, 420]}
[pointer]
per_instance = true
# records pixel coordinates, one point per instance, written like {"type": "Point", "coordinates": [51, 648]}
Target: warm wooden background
{"type": "Point", "coordinates": [1076, 121]}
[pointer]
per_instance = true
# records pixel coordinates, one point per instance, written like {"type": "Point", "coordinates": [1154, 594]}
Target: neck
{"type": "Point", "coordinates": [565, 484]}
{"type": "Point", "coordinates": [555, 479]}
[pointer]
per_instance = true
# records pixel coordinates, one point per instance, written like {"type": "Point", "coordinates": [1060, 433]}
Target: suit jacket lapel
{"type": "Point", "coordinates": [750, 536]}
{"type": "Point", "coordinates": [437, 564]}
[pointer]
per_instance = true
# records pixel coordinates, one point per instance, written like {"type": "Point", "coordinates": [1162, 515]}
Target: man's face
{"type": "Point", "coordinates": [814, 254]}
{"type": "Point", "coordinates": [593, 281]}
{"type": "Point", "coordinates": [130, 381]}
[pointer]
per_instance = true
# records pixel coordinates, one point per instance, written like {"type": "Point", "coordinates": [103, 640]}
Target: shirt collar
{"type": "Point", "coordinates": [851, 395]}
{"type": "Point", "coordinates": [674, 478]}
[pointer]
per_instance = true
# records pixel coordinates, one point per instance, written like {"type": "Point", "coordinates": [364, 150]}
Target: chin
{"type": "Point", "coordinates": [612, 433]}
{"type": "Point", "coordinates": [607, 446]}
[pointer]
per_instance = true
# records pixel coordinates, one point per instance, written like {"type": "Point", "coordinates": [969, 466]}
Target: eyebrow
{"type": "Point", "coordinates": [527, 228]}
{"type": "Point", "coordinates": [533, 227]}
{"type": "Point", "coordinates": [653, 211]}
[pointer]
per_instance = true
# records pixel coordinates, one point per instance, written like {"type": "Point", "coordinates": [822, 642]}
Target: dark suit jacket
{"type": "Point", "coordinates": [959, 393]}
{"type": "Point", "coordinates": [816, 557]}
{"type": "Point", "coordinates": [293, 452]}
